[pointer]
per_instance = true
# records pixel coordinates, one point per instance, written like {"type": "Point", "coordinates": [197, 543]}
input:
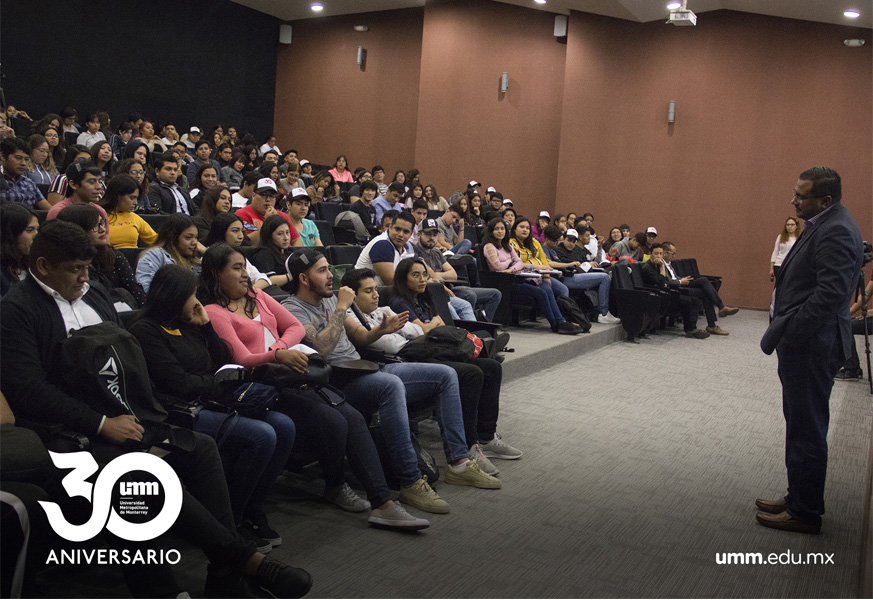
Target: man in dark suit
{"type": "Point", "coordinates": [654, 273]}
{"type": "Point", "coordinates": [164, 192]}
{"type": "Point", "coordinates": [811, 331]}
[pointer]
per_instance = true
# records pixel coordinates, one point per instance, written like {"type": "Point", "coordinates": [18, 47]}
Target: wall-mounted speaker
{"type": "Point", "coordinates": [561, 25]}
{"type": "Point", "coordinates": [284, 34]}
{"type": "Point", "coordinates": [671, 112]}
{"type": "Point", "coordinates": [504, 82]}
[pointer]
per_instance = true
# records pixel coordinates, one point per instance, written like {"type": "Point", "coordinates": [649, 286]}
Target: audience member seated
{"type": "Point", "coordinates": [451, 231]}
{"type": "Point", "coordinates": [439, 269]}
{"type": "Point", "coordinates": [625, 230]}
{"type": "Point", "coordinates": [434, 200]}
{"type": "Point", "coordinates": [183, 353]}
{"type": "Point", "coordinates": [207, 177]}
{"type": "Point", "coordinates": [202, 151]}
{"type": "Point", "coordinates": [181, 151]}
{"type": "Point", "coordinates": [631, 247]}
{"type": "Point", "coordinates": [41, 170]}
{"type": "Point", "coordinates": [494, 207]}
{"type": "Point", "coordinates": [566, 253]}
{"type": "Point", "coordinates": [260, 331]}
{"type": "Point", "coordinates": [147, 135]}
{"type": "Point", "coordinates": [109, 267]}
{"type": "Point", "coordinates": [84, 186]}
{"type": "Point", "coordinates": [56, 149]}
{"type": "Point", "coordinates": [233, 172]}
{"type": "Point", "coordinates": [164, 192]}
{"type": "Point", "coordinates": [654, 273]}
{"type": "Point", "coordinates": [385, 250]}
{"type": "Point", "coordinates": [216, 200]}
{"type": "Point", "coordinates": [56, 298]}
{"type": "Point", "coordinates": [474, 216]}
{"type": "Point", "coordinates": [274, 249]}
{"type": "Point", "coordinates": [416, 192]}
{"type": "Point", "coordinates": [537, 229]}
{"type": "Point", "coordinates": [378, 172]}
{"type": "Point", "coordinates": [613, 238]}
{"type": "Point", "coordinates": [263, 205]}
{"type": "Point", "coordinates": [502, 258]}
{"type": "Point", "coordinates": [509, 215]}
{"type": "Point", "coordinates": [17, 187]}
{"type": "Point", "coordinates": [93, 134]}
{"type": "Point", "coordinates": [852, 370]}
{"type": "Point", "coordinates": [243, 197]}
{"type": "Point", "coordinates": [126, 228]}
{"type": "Point", "coordinates": [291, 180]}
{"type": "Point", "coordinates": [298, 209]}
{"type": "Point", "coordinates": [324, 316]}
{"type": "Point", "coordinates": [18, 227]}
{"type": "Point", "coordinates": [533, 256]}
{"type": "Point", "coordinates": [699, 287]}
{"type": "Point", "coordinates": [479, 379]}
{"type": "Point", "coordinates": [176, 244]}
{"type": "Point", "coordinates": [268, 145]}
{"type": "Point", "coordinates": [101, 156]}
{"type": "Point", "coordinates": [361, 175]}
{"type": "Point", "coordinates": [223, 154]}
{"type": "Point", "coordinates": [364, 208]}
{"type": "Point", "coordinates": [340, 170]}
{"type": "Point", "coordinates": [390, 200]}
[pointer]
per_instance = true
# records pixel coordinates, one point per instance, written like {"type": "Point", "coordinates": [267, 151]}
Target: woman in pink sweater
{"type": "Point", "coordinates": [259, 330]}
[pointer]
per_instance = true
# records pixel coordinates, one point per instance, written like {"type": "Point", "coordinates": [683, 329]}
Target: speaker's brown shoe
{"type": "Point", "coordinates": [785, 522]}
{"type": "Point", "coordinates": [716, 330]}
{"type": "Point", "coordinates": [728, 310]}
{"type": "Point", "coordinates": [771, 506]}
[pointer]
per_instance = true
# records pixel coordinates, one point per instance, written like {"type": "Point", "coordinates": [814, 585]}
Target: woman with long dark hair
{"type": "Point", "coordinates": [41, 169]}
{"type": "Point", "coordinates": [18, 227]}
{"type": "Point", "coordinates": [260, 331]}
{"type": "Point", "coordinates": [216, 200]}
{"type": "Point", "coordinates": [502, 258]}
{"type": "Point", "coordinates": [340, 170]}
{"type": "Point", "coordinates": [434, 201]}
{"type": "Point", "coordinates": [531, 253]}
{"type": "Point", "coordinates": [233, 172]}
{"type": "Point", "coordinates": [126, 227]}
{"type": "Point", "coordinates": [790, 232]}
{"type": "Point", "coordinates": [136, 170]}
{"type": "Point", "coordinates": [183, 352]}
{"type": "Point", "coordinates": [108, 267]}
{"type": "Point", "coordinates": [274, 249]}
{"type": "Point", "coordinates": [176, 244]}
{"type": "Point", "coordinates": [206, 177]}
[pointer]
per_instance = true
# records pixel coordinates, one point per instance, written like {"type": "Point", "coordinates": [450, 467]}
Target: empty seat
{"type": "Point", "coordinates": [325, 231]}
{"type": "Point", "coordinates": [343, 255]}
{"type": "Point", "coordinates": [327, 211]}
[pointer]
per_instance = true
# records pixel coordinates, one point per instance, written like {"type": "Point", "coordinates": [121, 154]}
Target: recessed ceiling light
{"type": "Point", "coordinates": [674, 5]}
{"type": "Point", "coordinates": [317, 7]}
{"type": "Point", "coordinates": [852, 14]}
{"type": "Point", "coordinates": [361, 28]}
{"type": "Point", "coordinates": [540, 1]}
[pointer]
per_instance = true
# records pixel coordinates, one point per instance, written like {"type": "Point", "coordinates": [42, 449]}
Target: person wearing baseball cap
{"type": "Point", "coordinates": [298, 208]}
{"type": "Point", "coordinates": [264, 205]}
{"type": "Point", "coordinates": [538, 228]}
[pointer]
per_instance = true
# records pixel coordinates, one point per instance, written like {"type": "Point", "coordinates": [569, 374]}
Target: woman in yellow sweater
{"type": "Point", "coordinates": [126, 228]}
{"type": "Point", "coordinates": [532, 254]}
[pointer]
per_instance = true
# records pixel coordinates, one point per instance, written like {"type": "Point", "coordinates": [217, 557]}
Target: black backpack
{"type": "Point", "coordinates": [573, 314]}
{"type": "Point", "coordinates": [444, 343]}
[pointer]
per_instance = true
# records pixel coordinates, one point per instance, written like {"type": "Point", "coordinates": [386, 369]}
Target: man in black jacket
{"type": "Point", "coordinates": [36, 316]}
{"type": "Point", "coordinates": [655, 275]}
{"type": "Point", "coordinates": [164, 192]}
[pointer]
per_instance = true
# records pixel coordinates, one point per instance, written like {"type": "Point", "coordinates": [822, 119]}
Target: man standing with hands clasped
{"type": "Point", "coordinates": [810, 329]}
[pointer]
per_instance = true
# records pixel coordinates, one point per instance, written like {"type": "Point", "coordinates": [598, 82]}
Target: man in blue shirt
{"type": "Point", "coordinates": [389, 201]}
{"type": "Point", "coordinates": [19, 188]}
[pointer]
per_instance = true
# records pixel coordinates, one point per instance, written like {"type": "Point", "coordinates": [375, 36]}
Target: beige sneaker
{"type": "Point", "coordinates": [473, 476]}
{"type": "Point", "coordinates": [421, 496]}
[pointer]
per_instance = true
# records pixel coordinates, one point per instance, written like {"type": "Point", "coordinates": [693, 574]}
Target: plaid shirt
{"type": "Point", "coordinates": [23, 191]}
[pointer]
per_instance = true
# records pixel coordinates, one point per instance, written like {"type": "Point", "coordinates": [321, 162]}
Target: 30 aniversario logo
{"type": "Point", "coordinates": [127, 516]}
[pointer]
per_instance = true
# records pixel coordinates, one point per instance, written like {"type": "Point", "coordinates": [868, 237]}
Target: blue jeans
{"type": "Point", "coordinates": [588, 281]}
{"type": "Point", "coordinates": [253, 454]}
{"type": "Point", "coordinates": [422, 380]}
{"type": "Point", "coordinates": [462, 247]}
{"type": "Point", "coordinates": [544, 298]}
{"type": "Point", "coordinates": [558, 288]}
{"type": "Point", "coordinates": [488, 299]}
{"type": "Point", "coordinates": [461, 309]}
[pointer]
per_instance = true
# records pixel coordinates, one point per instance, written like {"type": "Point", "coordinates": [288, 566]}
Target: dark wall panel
{"type": "Point", "coordinates": [193, 62]}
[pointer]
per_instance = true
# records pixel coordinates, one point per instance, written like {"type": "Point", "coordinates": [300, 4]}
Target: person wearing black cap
{"type": "Point", "coordinates": [324, 319]}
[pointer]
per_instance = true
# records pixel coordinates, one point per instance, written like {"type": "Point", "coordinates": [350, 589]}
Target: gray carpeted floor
{"type": "Point", "coordinates": [641, 463]}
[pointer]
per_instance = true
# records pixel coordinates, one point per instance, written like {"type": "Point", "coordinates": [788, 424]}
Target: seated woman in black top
{"type": "Point", "coordinates": [275, 248]}
{"type": "Point", "coordinates": [216, 199]}
{"type": "Point", "coordinates": [228, 228]}
{"type": "Point", "coordinates": [183, 352]}
{"type": "Point", "coordinates": [18, 227]}
{"type": "Point", "coordinates": [109, 267]}
{"type": "Point", "coordinates": [479, 379]}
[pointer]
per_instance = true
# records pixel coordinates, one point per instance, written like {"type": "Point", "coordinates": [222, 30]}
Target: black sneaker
{"type": "Point", "coordinates": [849, 375]}
{"type": "Point", "coordinates": [260, 526]}
{"type": "Point", "coordinates": [232, 585]}
{"type": "Point", "coordinates": [282, 581]}
{"type": "Point", "coordinates": [250, 535]}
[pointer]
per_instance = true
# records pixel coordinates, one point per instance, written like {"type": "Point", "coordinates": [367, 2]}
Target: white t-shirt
{"type": "Point", "coordinates": [237, 201]}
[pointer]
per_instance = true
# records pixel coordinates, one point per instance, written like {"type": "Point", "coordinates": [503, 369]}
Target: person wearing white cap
{"type": "Point", "coordinates": [264, 205]}
{"type": "Point", "coordinates": [573, 255]}
{"type": "Point", "coordinates": [538, 228]}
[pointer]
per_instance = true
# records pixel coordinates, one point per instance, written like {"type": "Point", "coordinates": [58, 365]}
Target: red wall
{"type": "Point", "coordinates": [758, 100]}
{"type": "Point", "coordinates": [326, 105]}
{"type": "Point", "coordinates": [583, 125]}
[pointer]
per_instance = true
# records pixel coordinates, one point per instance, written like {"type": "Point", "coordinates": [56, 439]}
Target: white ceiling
{"type": "Point", "coordinates": [822, 11]}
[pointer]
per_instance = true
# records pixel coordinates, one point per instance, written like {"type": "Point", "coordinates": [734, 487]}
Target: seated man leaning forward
{"type": "Point", "coordinates": [37, 314]}
{"type": "Point", "coordinates": [323, 316]}
{"type": "Point", "coordinates": [479, 378]}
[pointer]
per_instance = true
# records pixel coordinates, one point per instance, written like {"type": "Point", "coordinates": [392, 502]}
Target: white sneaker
{"type": "Point", "coordinates": [397, 517]}
{"type": "Point", "coordinates": [497, 448]}
{"type": "Point", "coordinates": [475, 453]}
{"type": "Point", "coordinates": [608, 318]}
{"type": "Point", "coordinates": [346, 498]}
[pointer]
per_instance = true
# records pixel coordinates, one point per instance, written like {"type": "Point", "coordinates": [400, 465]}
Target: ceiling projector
{"type": "Point", "coordinates": [682, 18]}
